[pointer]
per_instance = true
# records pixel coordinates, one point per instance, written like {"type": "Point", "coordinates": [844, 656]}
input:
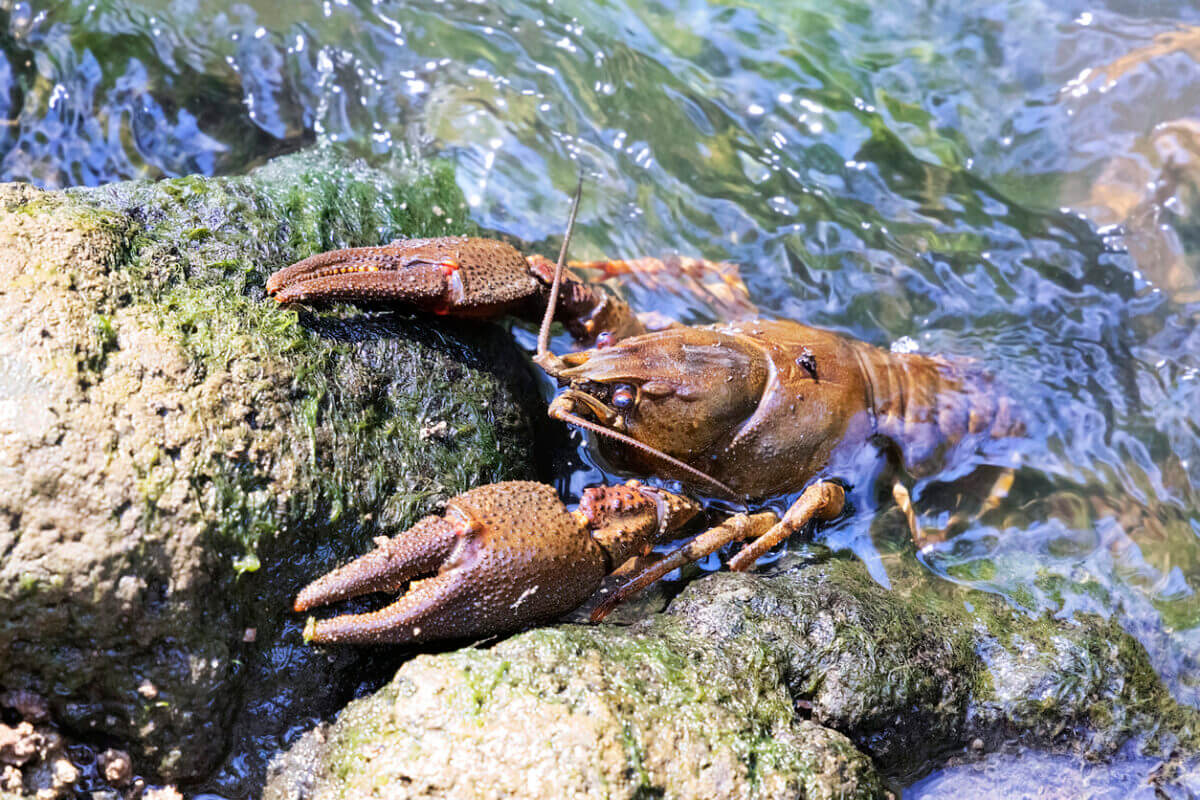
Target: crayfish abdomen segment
{"type": "Point", "coordinates": [929, 406]}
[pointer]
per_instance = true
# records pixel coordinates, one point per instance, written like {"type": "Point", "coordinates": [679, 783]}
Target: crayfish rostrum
{"type": "Point", "coordinates": [745, 410]}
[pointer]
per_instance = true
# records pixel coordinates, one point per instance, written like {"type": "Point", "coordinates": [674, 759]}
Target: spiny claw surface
{"type": "Point", "coordinates": [501, 557]}
{"type": "Point", "coordinates": [458, 275]}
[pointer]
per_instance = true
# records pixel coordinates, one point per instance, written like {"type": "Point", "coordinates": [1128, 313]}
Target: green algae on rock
{"type": "Point", "coordinates": [913, 672]}
{"type": "Point", "coordinates": [578, 712]}
{"type": "Point", "coordinates": [165, 428]}
{"type": "Point", "coordinates": [800, 684]}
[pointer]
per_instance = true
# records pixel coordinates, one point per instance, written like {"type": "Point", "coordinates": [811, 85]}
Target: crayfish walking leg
{"type": "Point", "coordinates": [822, 501]}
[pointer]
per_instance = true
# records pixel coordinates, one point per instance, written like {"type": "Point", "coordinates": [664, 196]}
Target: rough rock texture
{"type": "Point", "coordinates": [579, 712]}
{"type": "Point", "coordinates": [165, 430]}
{"type": "Point", "coordinates": [34, 763]}
{"type": "Point", "coordinates": [912, 672]}
{"type": "Point", "coordinates": [749, 685]}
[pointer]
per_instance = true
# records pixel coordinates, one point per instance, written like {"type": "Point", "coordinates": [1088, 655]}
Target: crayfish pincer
{"type": "Point", "coordinates": [746, 410]}
{"type": "Point", "coordinates": [501, 556]}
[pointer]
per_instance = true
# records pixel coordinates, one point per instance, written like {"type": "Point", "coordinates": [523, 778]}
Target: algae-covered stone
{"type": "Point", "coordinates": [164, 429]}
{"type": "Point", "coordinates": [777, 685]}
{"type": "Point", "coordinates": [914, 671]}
{"type": "Point", "coordinates": [579, 712]}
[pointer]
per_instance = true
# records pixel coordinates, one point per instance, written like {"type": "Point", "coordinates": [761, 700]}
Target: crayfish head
{"type": "Point", "coordinates": [682, 393]}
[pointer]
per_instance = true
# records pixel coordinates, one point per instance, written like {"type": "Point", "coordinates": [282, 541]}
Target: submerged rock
{"type": "Point", "coordinates": [801, 683]}
{"type": "Point", "coordinates": [165, 430]}
{"type": "Point", "coordinates": [913, 672]}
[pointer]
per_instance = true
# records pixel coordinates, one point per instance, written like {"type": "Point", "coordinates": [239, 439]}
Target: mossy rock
{"type": "Point", "coordinates": [177, 453]}
{"type": "Point", "coordinates": [913, 672]}
{"type": "Point", "coordinates": [578, 712]}
{"type": "Point", "coordinates": [798, 684]}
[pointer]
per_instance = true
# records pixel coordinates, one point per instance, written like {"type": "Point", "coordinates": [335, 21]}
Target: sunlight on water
{"type": "Point", "coordinates": [1010, 182]}
{"type": "Point", "coordinates": [1029, 774]}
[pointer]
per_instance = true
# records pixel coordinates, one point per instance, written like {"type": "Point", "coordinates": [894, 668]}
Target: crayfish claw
{"type": "Point", "coordinates": [421, 286]}
{"type": "Point", "coordinates": [458, 275]}
{"type": "Point", "coordinates": [502, 557]}
{"type": "Point", "coordinates": [420, 550]}
{"type": "Point", "coordinates": [424, 612]}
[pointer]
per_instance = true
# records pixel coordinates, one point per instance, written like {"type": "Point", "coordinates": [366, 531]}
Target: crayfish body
{"type": "Point", "coordinates": [745, 410]}
{"type": "Point", "coordinates": [764, 406]}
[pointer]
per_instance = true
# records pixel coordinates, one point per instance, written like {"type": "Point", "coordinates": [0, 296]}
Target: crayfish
{"type": "Point", "coordinates": [743, 410]}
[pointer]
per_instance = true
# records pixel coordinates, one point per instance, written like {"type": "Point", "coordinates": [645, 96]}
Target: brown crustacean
{"type": "Point", "coordinates": [745, 410]}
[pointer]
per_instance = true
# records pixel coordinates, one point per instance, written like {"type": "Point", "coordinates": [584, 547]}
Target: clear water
{"type": "Point", "coordinates": [1011, 181]}
{"type": "Point", "coordinates": [1030, 775]}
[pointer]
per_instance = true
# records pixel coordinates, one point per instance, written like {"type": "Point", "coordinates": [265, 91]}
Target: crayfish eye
{"type": "Point", "coordinates": [622, 397]}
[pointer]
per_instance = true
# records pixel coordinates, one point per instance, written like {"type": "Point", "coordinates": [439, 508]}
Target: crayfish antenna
{"type": "Point", "coordinates": [563, 410]}
{"type": "Point", "coordinates": [543, 346]}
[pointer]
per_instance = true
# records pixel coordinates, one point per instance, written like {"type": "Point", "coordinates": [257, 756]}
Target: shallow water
{"type": "Point", "coordinates": [1011, 182]}
{"type": "Point", "coordinates": [1026, 775]}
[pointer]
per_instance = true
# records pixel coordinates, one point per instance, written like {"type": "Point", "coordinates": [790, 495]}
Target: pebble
{"type": "Point", "coordinates": [116, 767]}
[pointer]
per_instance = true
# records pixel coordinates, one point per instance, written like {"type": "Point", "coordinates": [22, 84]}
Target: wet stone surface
{"type": "Point", "coordinates": [812, 682]}
{"type": "Point", "coordinates": [177, 454]}
{"type": "Point", "coordinates": [914, 672]}
{"type": "Point", "coordinates": [575, 711]}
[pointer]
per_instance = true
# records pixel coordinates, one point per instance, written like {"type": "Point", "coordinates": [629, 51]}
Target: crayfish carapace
{"type": "Point", "coordinates": [746, 410]}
